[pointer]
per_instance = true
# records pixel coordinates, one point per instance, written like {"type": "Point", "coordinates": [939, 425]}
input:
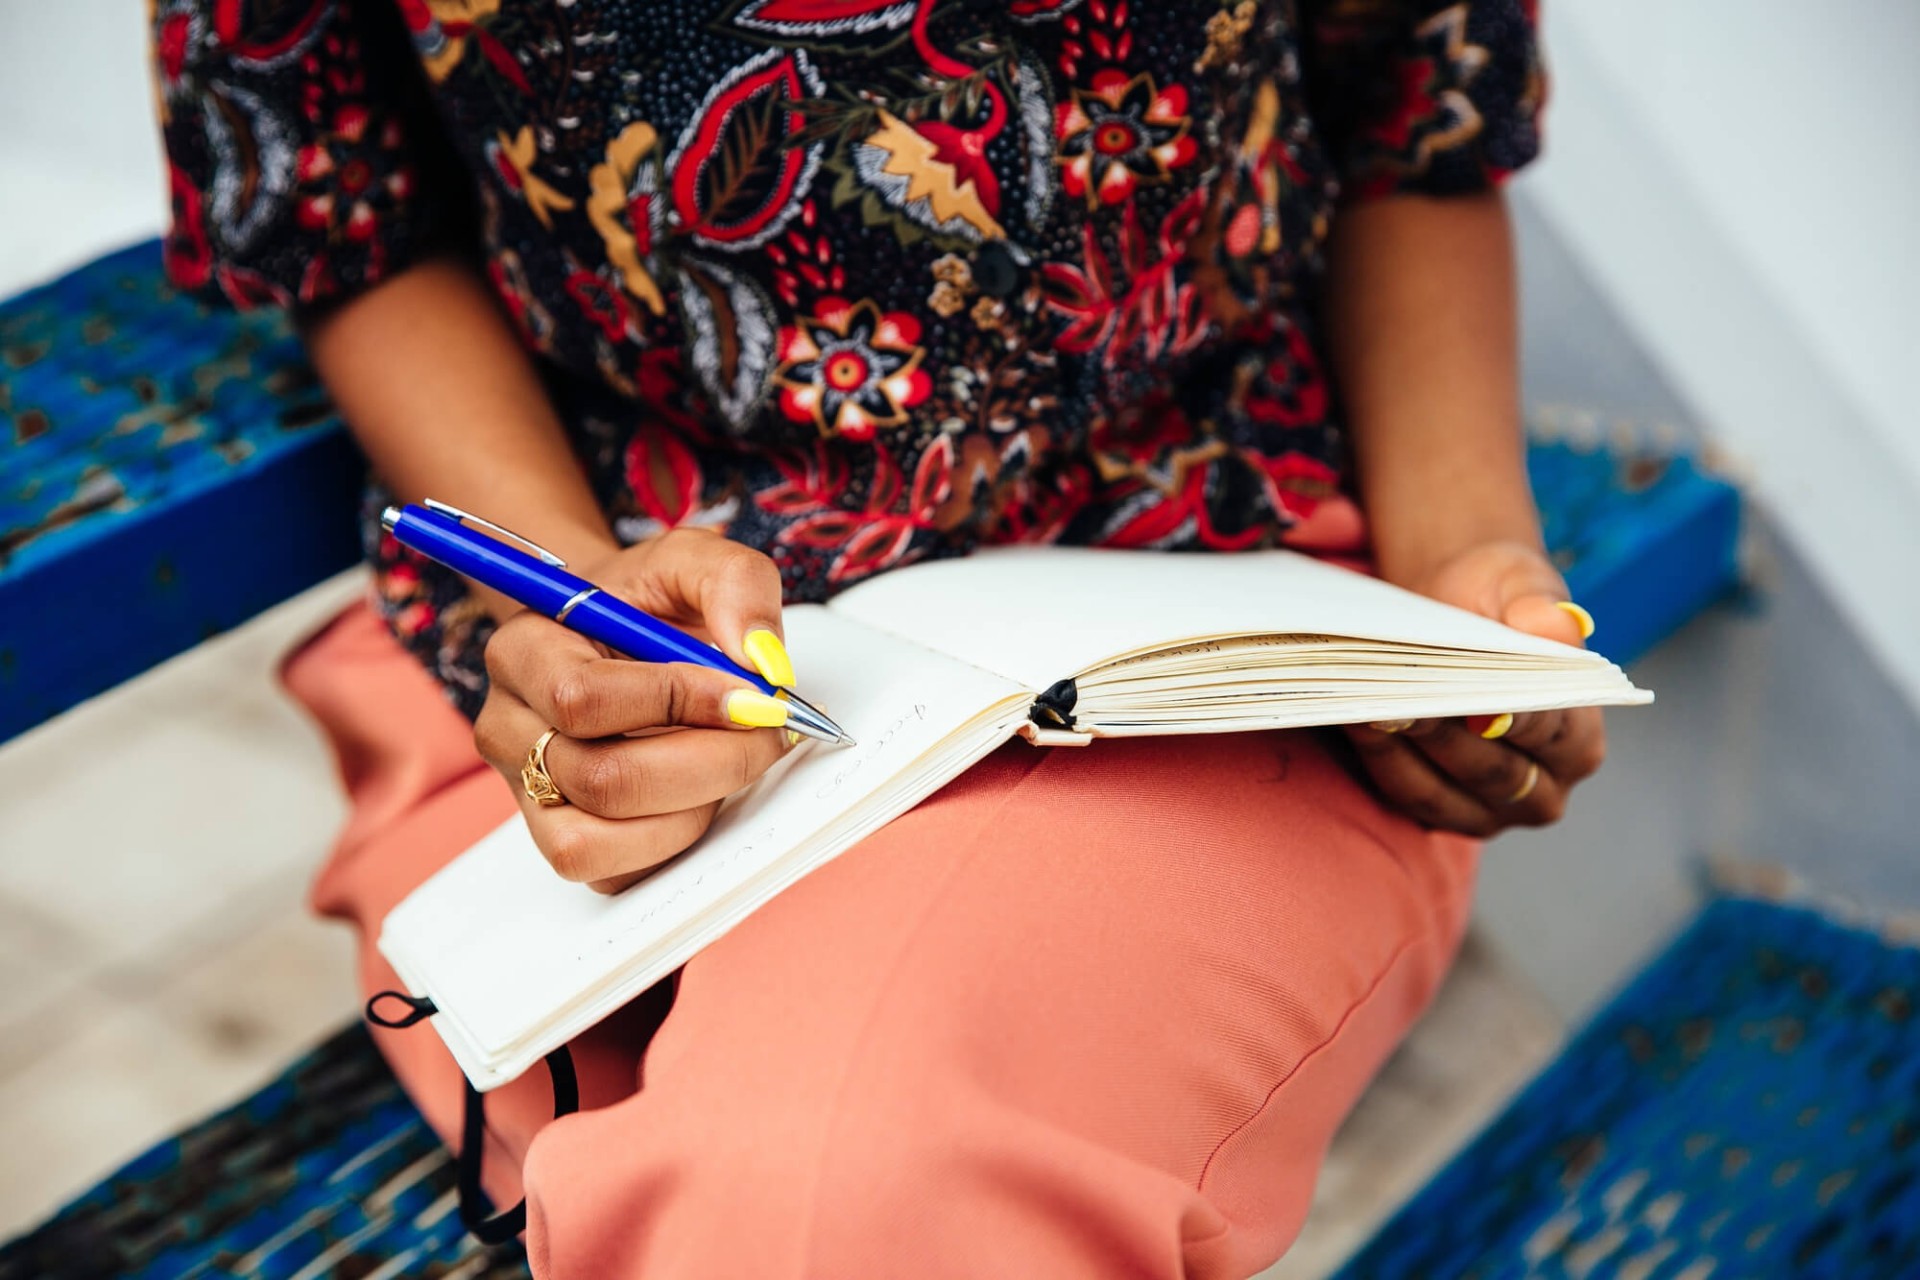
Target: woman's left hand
{"type": "Point", "coordinates": [1483, 774]}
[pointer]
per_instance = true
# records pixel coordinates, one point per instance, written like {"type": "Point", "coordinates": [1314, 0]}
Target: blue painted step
{"type": "Point", "coordinates": [166, 472]}
{"type": "Point", "coordinates": [1645, 540]}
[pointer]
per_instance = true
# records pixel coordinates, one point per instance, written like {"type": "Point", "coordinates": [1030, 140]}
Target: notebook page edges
{"type": "Point", "coordinates": [1162, 685]}
{"type": "Point", "coordinates": [1322, 705]}
{"type": "Point", "coordinates": [1040, 614]}
{"type": "Point", "coordinates": [501, 943]}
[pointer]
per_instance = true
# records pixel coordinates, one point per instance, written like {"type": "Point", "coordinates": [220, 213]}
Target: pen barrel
{"type": "Point", "coordinates": [550, 590]}
{"type": "Point", "coordinates": [508, 570]}
{"type": "Point", "coordinates": [624, 629]}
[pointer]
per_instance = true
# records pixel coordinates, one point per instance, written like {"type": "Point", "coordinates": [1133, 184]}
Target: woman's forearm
{"type": "Point", "coordinates": [446, 403]}
{"type": "Point", "coordinates": [1421, 311]}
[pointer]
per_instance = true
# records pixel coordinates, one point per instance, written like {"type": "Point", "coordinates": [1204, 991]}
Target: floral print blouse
{"type": "Point", "coordinates": [858, 281]}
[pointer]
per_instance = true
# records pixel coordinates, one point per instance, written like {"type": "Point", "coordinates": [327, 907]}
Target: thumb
{"type": "Point", "coordinates": [1516, 585]}
{"type": "Point", "coordinates": [1535, 600]}
{"type": "Point", "coordinates": [1549, 615]}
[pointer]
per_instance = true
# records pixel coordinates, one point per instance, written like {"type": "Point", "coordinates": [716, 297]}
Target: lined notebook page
{"type": "Point", "coordinates": [502, 943]}
{"type": "Point", "coordinates": [1041, 614]}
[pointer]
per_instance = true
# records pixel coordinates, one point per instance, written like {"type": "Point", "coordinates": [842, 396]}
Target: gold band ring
{"type": "Point", "coordinates": [1526, 787]}
{"type": "Point", "coordinates": [534, 778]}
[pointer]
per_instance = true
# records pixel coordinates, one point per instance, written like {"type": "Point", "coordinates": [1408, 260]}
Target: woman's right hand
{"type": "Point", "coordinates": [644, 753]}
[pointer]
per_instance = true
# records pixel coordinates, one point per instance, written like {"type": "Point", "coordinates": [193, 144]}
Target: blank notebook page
{"type": "Point", "coordinates": [1041, 614]}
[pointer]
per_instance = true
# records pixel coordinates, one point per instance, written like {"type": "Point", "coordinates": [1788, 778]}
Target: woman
{"type": "Point", "coordinates": [854, 283]}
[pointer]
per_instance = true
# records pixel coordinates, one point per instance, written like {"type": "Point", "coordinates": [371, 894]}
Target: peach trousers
{"type": "Point", "coordinates": [1087, 1012]}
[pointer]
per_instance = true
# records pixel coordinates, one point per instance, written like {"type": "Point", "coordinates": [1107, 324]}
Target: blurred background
{"type": "Point", "coordinates": [1719, 257]}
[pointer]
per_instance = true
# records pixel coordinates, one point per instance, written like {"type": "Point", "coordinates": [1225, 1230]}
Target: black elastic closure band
{"type": "Point", "coordinates": [1055, 706]}
{"type": "Point", "coordinates": [418, 1007]}
{"type": "Point", "coordinates": [476, 1210]}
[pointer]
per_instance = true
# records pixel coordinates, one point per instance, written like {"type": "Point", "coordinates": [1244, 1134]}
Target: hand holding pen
{"type": "Point", "coordinates": [579, 734]}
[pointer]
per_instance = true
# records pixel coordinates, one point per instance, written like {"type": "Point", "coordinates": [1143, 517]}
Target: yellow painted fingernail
{"type": "Point", "coordinates": [793, 737]}
{"type": "Point", "coordinates": [1574, 611]}
{"type": "Point", "coordinates": [1391, 726]}
{"type": "Point", "coordinates": [769, 656]}
{"type": "Point", "coordinates": [755, 710]}
{"type": "Point", "coordinates": [1498, 727]}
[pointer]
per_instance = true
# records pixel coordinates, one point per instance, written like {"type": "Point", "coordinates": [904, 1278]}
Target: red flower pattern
{"type": "Point", "coordinates": [862, 541]}
{"type": "Point", "coordinates": [1136, 305]}
{"type": "Point", "coordinates": [849, 369]}
{"type": "Point", "coordinates": [1120, 133]}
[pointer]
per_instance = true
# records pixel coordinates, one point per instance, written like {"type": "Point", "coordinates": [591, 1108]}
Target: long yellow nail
{"type": "Point", "coordinates": [793, 737]}
{"type": "Point", "coordinates": [1574, 611]}
{"type": "Point", "coordinates": [1498, 726]}
{"type": "Point", "coordinates": [755, 710]}
{"type": "Point", "coordinates": [1391, 726]}
{"type": "Point", "coordinates": [770, 656]}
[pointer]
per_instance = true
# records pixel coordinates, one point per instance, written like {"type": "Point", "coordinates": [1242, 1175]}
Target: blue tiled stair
{"type": "Point", "coordinates": [1749, 1106]}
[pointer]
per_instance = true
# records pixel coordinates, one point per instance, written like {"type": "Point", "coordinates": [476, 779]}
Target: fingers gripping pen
{"type": "Point", "coordinates": [540, 581]}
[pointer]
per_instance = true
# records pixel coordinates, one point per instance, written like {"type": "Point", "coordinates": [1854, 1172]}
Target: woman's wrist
{"type": "Point", "coordinates": [1422, 336]}
{"type": "Point", "coordinates": [448, 404]}
{"type": "Point", "coordinates": [1413, 541]}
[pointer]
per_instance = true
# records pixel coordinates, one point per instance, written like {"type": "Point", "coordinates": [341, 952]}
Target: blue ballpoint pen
{"type": "Point", "coordinates": [541, 582]}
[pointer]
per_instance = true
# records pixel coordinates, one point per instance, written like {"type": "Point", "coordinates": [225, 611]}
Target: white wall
{"type": "Point", "coordinates": [1777, 741]}
{"type": "Point", "coordinates": [80, 162]}
{"type": "Point", "coordinates": [1723, 233]}
{"type": "Point", "coordinates": [1796, 127]}
{"type": "Point", "coordinates": [1741, 178]}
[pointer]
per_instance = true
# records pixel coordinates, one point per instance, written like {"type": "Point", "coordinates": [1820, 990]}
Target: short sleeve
{"type": "Point", "coordinates": [1425, 96]}
{"type": "Point", "coordinates": [294, 134]}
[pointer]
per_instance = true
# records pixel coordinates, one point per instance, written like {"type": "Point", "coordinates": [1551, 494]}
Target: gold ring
{"type": "Point", "coordinates": [1525, 789]}
{"type": "Point", "coordinates": [534, 778]}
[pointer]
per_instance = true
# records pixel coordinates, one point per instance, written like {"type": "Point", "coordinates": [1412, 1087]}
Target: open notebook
{"type": "Point", "coordinates": [930, 668]}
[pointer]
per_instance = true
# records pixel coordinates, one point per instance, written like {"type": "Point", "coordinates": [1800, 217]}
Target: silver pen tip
{"type": "Point", "coordinates": [806, 713]}
{"type": "Point", "coordinates": [389, 518]}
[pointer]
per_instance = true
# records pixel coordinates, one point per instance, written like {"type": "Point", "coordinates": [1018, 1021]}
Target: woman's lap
{"type": "Point", "coordinates": [1085, 1012]}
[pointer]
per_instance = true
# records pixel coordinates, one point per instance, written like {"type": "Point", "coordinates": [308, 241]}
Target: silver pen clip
{"type": "Point", "coordinates": [467, 517]}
